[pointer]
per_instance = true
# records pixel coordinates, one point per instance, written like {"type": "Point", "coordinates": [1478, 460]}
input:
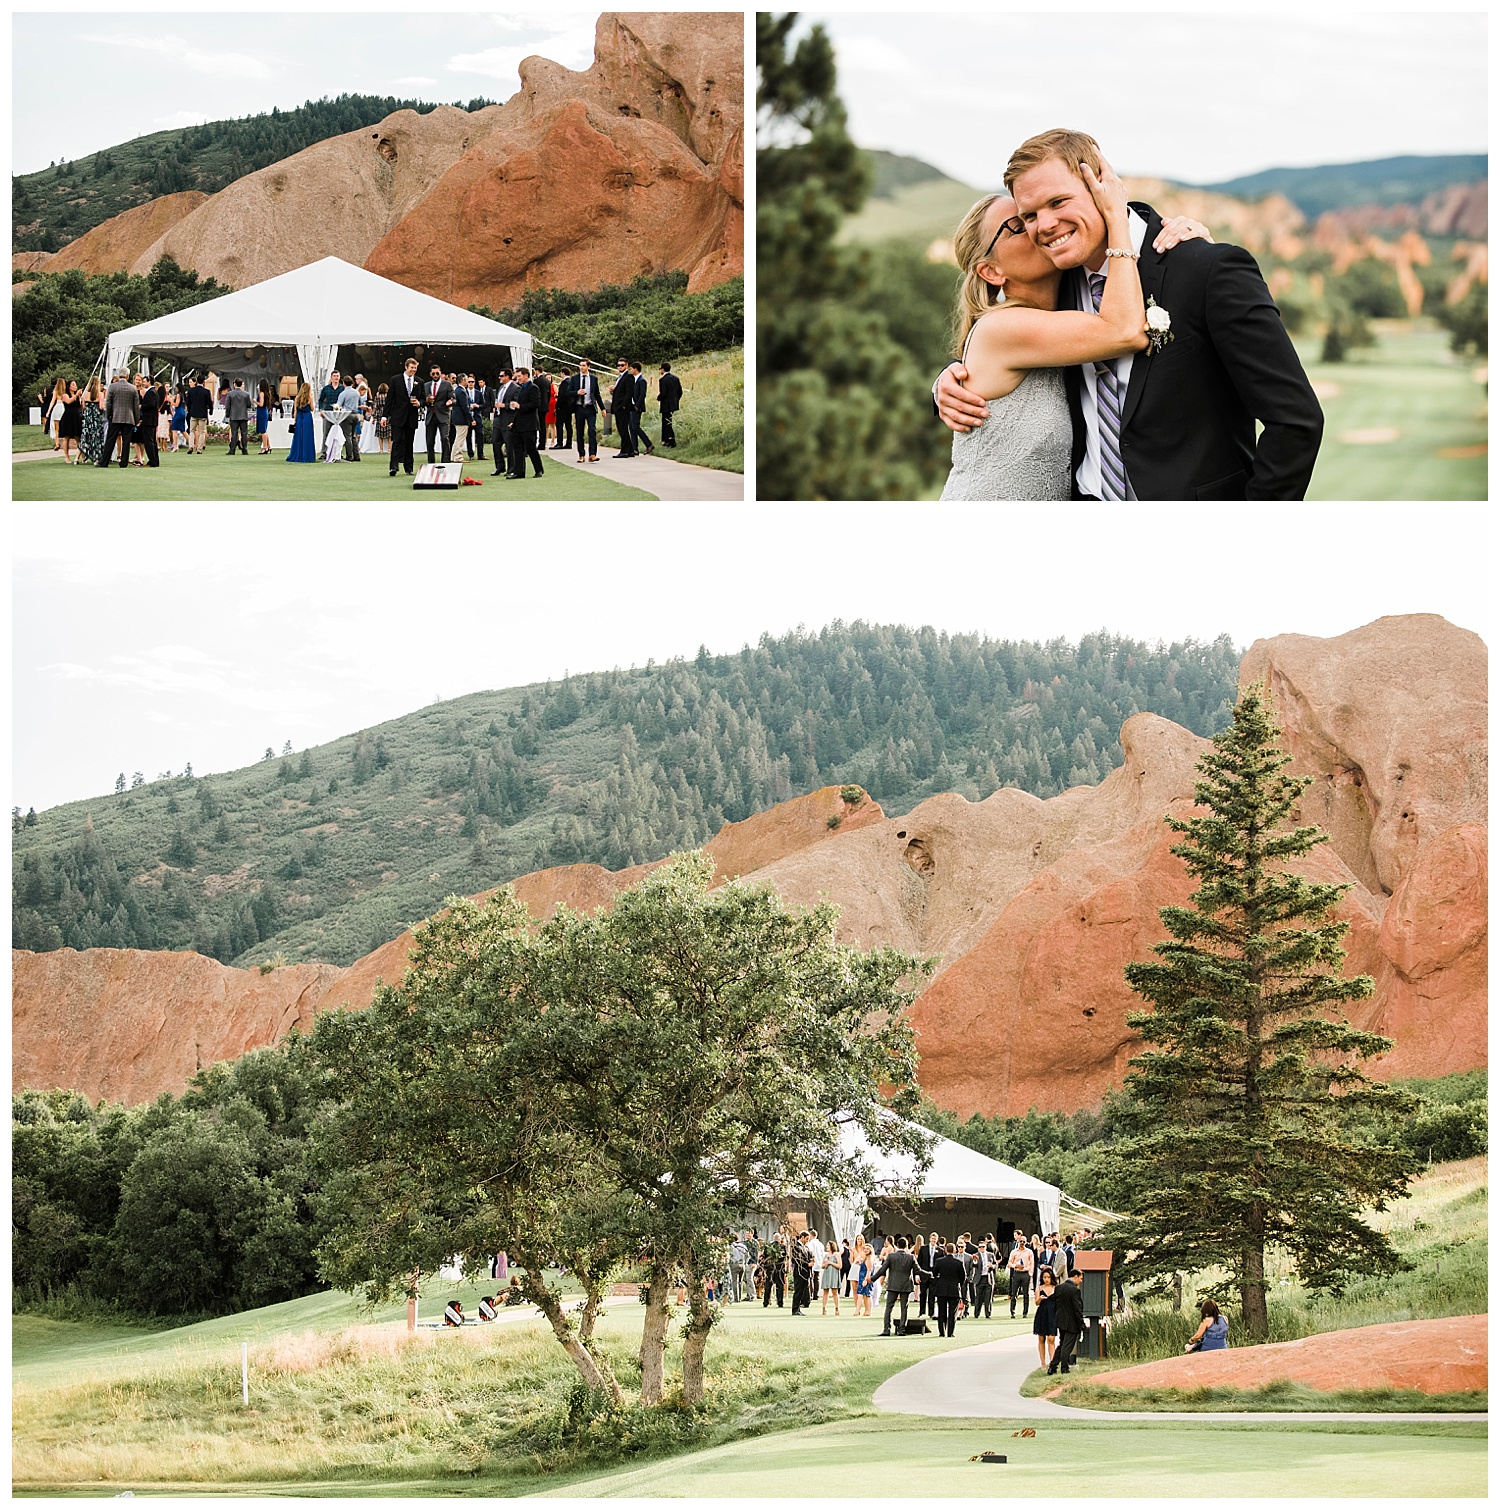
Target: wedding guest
{"type": "Point", "coordinates": [237, 410]}
{"type": "Point", "coordinates": [70, 425]}
{"type": "Point", "coordinates": [348, 408]}
{"type": "Point", "coordinates": [263, 416]}
{"type": "Point", "coordinates": [200, 403]}
{"type": "Point", "coordinates": [143, 428]}
{"type": "Point", "coordinates": [382, 420]}
{"type": "Point", "coordinates": [669, 396]}
{"type": "Point", "coordinates": [1044, 1323]}
{"type": "Point", "coordinates": [638, 410]}
{"type": "Point", "coordinates": [528, 409]}
{"type": "Point", "coordinates": [567, 403]}
{"type": "Point", "coordinates": [91, 446]}
{"type": "Point", "coordinates": [123, 407]}
{"type": "Point", "coordinates": [163, 416]}
{"type": "Point", "coordinates": [303, 448]}
{"type": "Point", "coordinates": [462, 412]}
{"type": "Point", "coordinates": [587, 403]}
{"type": "Point", "coordinates": [52, 414]}
{"type": "Point", "coordinates": [480, 408]}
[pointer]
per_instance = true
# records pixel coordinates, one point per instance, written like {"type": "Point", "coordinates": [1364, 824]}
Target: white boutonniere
{"type": "Point", "coordinates": [1158, 324]}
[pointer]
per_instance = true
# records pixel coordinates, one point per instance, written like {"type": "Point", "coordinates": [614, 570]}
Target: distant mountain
{"type": "Point", "coordinates": [893, 171]}
{"type": "Point", "coordinates": [1385, 181]}
{"type": "Point", "coordinates": [60, 203]}
{"type": "Point", "coordinates": [910, 199]}
{"type": "Point", "coordinates": [328, 853]}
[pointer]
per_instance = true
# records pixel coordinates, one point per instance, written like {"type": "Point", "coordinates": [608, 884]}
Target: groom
{"type": "Point", "coordinates": [1177, 422]}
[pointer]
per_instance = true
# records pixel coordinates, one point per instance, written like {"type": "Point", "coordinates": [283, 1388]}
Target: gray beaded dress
{"type": "Point", "coordinates": [1023, 451]}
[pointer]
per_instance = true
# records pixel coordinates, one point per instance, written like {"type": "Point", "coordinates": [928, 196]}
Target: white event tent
{"type": "Point", "coordinates": [311, 310]}
{"type": "Point", "coordinates": [962, 1180]}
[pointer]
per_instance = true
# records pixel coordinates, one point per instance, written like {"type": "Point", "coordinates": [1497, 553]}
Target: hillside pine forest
{"type": "Point", "coordinates": [329, 852]}
{"type": "Point", "coordinates": [61, 202]}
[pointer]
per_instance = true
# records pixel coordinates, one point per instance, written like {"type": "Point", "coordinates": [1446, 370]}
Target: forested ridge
{"type": "Point", "coordinates": [62, 201]}
{"type": "Point", "coordinates": [328, 852]}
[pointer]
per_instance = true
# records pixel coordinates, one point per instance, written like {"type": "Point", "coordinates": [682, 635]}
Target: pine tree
{"type": "Point", "coordinates": [1251, 1125]}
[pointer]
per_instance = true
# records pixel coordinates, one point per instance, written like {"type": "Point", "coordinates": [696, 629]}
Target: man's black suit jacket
{"type": "Point", "coordinates": [948, 1276]}
{"type": "Point", "coordinates": [440, 398]}
{"type": "Point", "coordinates": [586, 397]}
{"type": "Point", "coordinates": [642, 393]}
{"type": "Point", "coordinates": [402, 413]}
{"type": "Point", "coordinates": [1188, 429]}
{"type": "Point", "coordinates": [622, 400]}
{"type": "Point", "coordinates": [669, 392]}
{"type": "Point", "coordinates": [505, 417]}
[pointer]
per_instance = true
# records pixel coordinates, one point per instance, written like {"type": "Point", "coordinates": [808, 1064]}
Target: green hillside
{"type": "Point", "coordinates": [61, 202]}
{"type": "Point", "coordinates": [910, 200]}
{"type": "Point", "coordinates": [326, 853]}
{"type": "Point", "coordinates": [1338, 186]}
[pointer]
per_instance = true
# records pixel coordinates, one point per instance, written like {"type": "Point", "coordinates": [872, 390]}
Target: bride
{"type": "Point", "coordinates": [1015, 342]}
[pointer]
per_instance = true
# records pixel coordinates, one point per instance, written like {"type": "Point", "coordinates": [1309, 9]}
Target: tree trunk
{"type": "Point", "coordinates": [700, 1323]}
{"type": "Point", "coordinates": [654, 1335]}
{"type": "Point", "coordinates": [1177, 1292]}
{"type": "Point", "coordinates": [1253, 1293]}
{"type": "Point", "coordinates": [412, 1292]}
{"type": "Point", "coordinates": [595, 1370]}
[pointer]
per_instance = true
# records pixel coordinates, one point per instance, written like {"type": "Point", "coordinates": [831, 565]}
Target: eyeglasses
{"type": "Point", "coordinates": [1015, 225]}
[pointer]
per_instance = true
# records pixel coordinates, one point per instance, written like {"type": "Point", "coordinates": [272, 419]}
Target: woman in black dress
{"type": "Point", "coordinates": [70, 426]}
{"type": "Point", "coordinates": [1044, 1321]}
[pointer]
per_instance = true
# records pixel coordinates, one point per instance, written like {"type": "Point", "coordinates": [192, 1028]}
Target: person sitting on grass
{"type": "Point", "coordinates": [487, 1311]}
{"type": "Point", "coordinates": [1212, 1335]}
{"type": "Point", "coordinates": [453, 1313]}
{"type": "Point", "coordinates": [513, 1295]}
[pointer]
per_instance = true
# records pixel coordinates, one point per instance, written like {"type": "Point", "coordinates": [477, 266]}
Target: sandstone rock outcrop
{"type": "Point", "coordinates": [635, 165]}
{"type": "Point", "coordinates": [1032, 908]}
{"type": "Point", "coordinates": [120, 243]}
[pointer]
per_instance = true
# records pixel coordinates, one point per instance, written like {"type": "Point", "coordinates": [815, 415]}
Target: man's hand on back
{"type": "Point", "coordinates": [958, 407]}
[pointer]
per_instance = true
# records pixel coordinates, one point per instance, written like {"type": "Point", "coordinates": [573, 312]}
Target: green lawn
{"type": "Point", "coordinates": [217, 475]}
{"type": "Point", "coordinates": [344, 1404]}
{"type": "Point", "coordinates": [1409, 383]}
{"type": "Point", "coordinates": [710, 426]}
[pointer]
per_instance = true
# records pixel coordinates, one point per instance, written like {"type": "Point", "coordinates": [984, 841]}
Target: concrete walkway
{"type": "Point", "coordinates": [671, 481]}
{"type": "Point", "coordinates": [984, 1382]}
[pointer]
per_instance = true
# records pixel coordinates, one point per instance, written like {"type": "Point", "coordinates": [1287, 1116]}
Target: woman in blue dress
{"type": "Point", "coordinates": [1212, 1335]}
{"type": "Point", "coordinates": [303, 446]}
{"type": "Point", "coordinates": [263, 417]}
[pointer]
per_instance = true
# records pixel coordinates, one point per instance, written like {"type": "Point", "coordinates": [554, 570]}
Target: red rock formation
{"type": "Point", "coordinates": [1437, 1357]}
{"type": "Point", "coordinates": [635, 165]}
{"type": "Point", "coordinates": [1033, 908]}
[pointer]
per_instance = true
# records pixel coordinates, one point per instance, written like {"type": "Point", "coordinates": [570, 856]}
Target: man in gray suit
{"type": "Point", "coordinates": [122, 407]}
{"type": "Point", "coordinates": [899, 1270]}
{"type": "Point", "coordinates": [237, 409]}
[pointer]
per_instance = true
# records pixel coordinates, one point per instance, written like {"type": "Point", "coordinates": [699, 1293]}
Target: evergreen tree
{"type": "Point", "coordinates": [827, 423]}
{"type": "Point", "coordinates": [1248, 1124]}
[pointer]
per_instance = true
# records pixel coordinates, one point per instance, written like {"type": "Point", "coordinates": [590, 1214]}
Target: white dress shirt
{"type": "Point", "coordinates": [1090, 478]}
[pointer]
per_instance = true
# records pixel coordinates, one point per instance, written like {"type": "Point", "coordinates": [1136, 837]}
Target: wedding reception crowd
{"type": "Point", "coordinates": [450, 415]}
{"type": "Point", "coordinates": [921, 1279]}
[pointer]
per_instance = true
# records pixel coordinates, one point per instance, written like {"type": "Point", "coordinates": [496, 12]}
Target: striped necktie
{"type": "Point", "coordinates": [1113, 483]}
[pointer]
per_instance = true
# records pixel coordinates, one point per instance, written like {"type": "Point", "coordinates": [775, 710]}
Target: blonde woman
{"type": "Point", "coordinates": [91, 445]}
{"type": "Point", "coordinates": [833, 1277]}
{"type": "Point", "coordinates": [861, 1266]}
{"type": "Point", "coordinates": [1015, 342]}
{"type": "Point", "coordinates": [54, 413]}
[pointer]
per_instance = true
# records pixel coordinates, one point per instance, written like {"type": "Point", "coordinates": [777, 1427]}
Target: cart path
{"type": "Point", "coordinates": [984, 1382]}
{"type": "Point", "coordinates": [670, 481]}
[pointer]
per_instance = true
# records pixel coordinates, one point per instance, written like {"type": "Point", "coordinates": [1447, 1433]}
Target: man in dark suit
{"type": "Point", "coordinates": [528, 414]}
{"type": "Point", "coordinates": [543, 385]}
{"type": "Point", "coordinates": [458, 441]}
{"type": "Point", "coordinates": [587, 402]}
{"type": "Point", "coordinates": [898, 1267]}
{"type": "Point", "coordinates": [567, 394]}
{"type": "Point", "coordinates": [622, 407]}
{"type": "Point", "coordinates": [403, 407]}
{"type": "Point", "coordinates": [502, 432]}
{"type": "Point", "coordinates": [928, 1251]}
{"type": "Point", "coordinates": [1178, 420]}
{"type": "Point", "coordinates": [638, 409]}
{"type": "Point", "coordinates": [145, 432]}
{"type": "Point", "coordinates": [1067, 1312]}
{"type": "Point", "coordinates": [947, 1287]}
{"type": "Point", "coordinates": [122, 408]}
{"type": "Point", "coordinates": [439, 399]}
{"type": "Point", "coordinates": [669, 396]}
{"type": "Point", "coordinates": [480, 408]}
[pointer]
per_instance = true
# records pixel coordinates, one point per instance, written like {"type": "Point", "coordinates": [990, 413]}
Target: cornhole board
{"type": "Point", "coordinates": [439, 474]}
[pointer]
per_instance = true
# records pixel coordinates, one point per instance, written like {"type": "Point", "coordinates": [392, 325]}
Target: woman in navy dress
{"type": "Point", "coordinates": [303, 446]}
{"type": "Point", "coordinates": [263, 417]}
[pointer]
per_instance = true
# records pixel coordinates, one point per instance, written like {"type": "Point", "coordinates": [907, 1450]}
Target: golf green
{"type": "Point", "coordinates": [882, 1459]}
{"type": "Point", "coordinates": [216, 476]}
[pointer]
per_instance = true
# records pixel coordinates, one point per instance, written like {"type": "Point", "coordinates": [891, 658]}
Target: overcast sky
{"type": "Point", "coordinates": [146, 639]}
{"type": "Point", "coordinates": [91, 79]}
{"type": "Point", "coordinates": [1194, 97]}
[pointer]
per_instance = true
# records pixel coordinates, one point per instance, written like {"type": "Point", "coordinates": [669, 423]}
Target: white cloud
{"type": "Point", "coordinates": [228, 64]}
{"type": "Point", "coordinates": [572, 46]}
{"type": "Point", "coordinates": [872, 55]}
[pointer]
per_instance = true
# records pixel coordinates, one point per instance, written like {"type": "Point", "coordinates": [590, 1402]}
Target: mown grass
{"type": "Point", "coordinates": [1411, 386]}
{"type": "Point", "coordinates": [215, 476]}
{"type": "Point", "coordinates": [1278, 1395]}
{"type": "Point", "coordinates": [371, 1403]}
{"type": "Point", "coordinates": [1441, 1229]}
{"type": "Point", "coordinates": [710, 426]}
